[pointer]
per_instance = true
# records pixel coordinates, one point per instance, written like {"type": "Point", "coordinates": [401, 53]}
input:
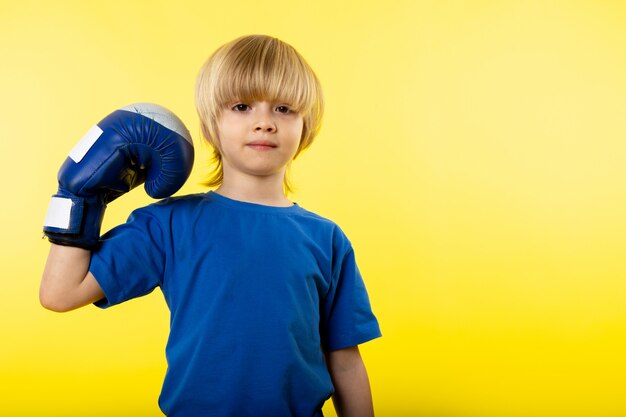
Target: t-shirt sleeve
{"type": "Point", "coordinates": [348, 318]}
{"type": "Point", "coordinates": [130, 260]}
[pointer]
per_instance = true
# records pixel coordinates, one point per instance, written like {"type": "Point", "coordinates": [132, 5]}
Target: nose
{"type": "Point", "coordinates": [265, 123]}
{"type": "Point", "coordinates": [268, 129]}
{"type": "Point", "coordinates": [265, 126]}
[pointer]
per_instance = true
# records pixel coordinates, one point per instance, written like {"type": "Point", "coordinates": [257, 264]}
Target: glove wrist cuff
{"type": "Point", "coordinates": [74, 221]}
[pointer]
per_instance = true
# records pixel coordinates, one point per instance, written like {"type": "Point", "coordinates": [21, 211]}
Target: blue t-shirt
{"type": "Point", "coordinates": [256, 295]}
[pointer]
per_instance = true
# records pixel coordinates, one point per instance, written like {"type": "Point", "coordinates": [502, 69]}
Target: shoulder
{"type": "Point", "coordinates": [340, 240]}
{"type": "Point", "coordinates": [181, 201]}
{"type": "Point", "coordinates": [163, 211]}
{"type": "Point", "coordinates": [173, 203]}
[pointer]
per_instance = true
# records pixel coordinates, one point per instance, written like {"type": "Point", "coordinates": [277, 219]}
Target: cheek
{"type": "Point", "coordinates": [296, 134]}
{"type": "Point", "coordinates": [298, 129]}
{"type": "Point", "coordinates": [227, 130]}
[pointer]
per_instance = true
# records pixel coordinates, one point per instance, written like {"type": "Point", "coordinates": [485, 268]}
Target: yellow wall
{"type": "Point", "coordinates": [473, 151]}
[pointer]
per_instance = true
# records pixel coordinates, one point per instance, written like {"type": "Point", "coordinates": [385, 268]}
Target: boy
{"type": "Point", "coordinates": [267, 303]}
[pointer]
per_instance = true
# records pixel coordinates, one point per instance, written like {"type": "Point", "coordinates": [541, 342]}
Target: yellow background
{"type": "Point", "coordinates": [473, 152]}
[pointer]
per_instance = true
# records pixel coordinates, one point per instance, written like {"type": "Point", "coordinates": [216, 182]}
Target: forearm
{"type": "Point", "coordinates": [66, 283]}
{"type": "Point", "coordinates": [353, 397]}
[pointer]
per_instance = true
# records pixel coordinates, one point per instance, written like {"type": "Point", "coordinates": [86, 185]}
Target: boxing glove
{"type": "Point", "coordinates": [139, 143]}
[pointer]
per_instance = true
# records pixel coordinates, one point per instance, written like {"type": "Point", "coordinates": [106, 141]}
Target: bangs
{"type": "Point", "coordinates": [266, 71]}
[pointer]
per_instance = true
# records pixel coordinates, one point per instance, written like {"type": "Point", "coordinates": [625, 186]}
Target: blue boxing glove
{"type": "Point", "coordinates": [136, 144]}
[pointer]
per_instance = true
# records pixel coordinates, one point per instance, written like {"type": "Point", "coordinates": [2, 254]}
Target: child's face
{"type": "Point", "coordinates": [244, 123]}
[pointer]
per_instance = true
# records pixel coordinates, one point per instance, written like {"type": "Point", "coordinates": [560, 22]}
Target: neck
{"type": "Point", "coordinates": [266, 190]}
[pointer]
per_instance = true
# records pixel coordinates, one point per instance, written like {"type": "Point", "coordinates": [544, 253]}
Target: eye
{"type": "Point", "coordinates": [241, 107]}
{"type": "Point", "coordinates": [283, 109]}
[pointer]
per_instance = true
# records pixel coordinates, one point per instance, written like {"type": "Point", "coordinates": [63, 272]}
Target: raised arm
{"type": "Point", "coordinates": [139, 143]}
{"type": "Point", "coordinates": [353, 397]}
{"type": "Point", "coordinates": [66, 283]}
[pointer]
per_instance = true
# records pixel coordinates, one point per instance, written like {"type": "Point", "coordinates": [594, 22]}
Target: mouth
{"type": "Point", "coordinates": [262, 147]}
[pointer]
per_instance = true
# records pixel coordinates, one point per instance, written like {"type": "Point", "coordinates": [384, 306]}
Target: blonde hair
{"type": "Point", "coordinates": [251, 68]}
